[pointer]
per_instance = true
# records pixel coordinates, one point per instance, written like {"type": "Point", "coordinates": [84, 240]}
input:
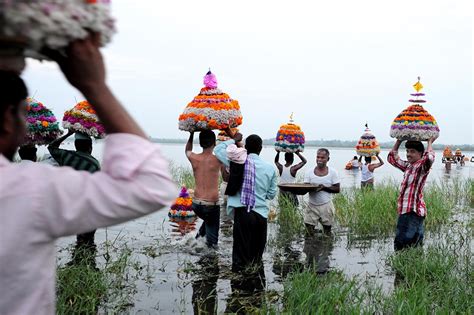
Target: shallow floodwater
{"type": "Point", "coordinates": [175, 273]}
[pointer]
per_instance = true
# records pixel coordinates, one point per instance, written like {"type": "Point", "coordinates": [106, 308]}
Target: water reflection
{"type": "Point", "coordinates": [247, 291]}
{"type": "Point", "coordinates": [318, 249]}
{"type": "Point", "coordinates": [182, 226]}
{"type": "Point", "coordinates": [204, 286]}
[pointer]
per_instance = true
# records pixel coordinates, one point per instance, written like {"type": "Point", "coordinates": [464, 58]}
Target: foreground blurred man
{"type": "Point", "coordinates": [40, 203]}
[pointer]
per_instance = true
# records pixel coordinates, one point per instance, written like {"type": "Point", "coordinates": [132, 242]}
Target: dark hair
{"type": "Point", "coordinates": [13, 91]}
{"type": "Point", "coordinates": [355, 157]}
{"type": "Point", "coordinates": [28, 152]}
{"type": "Point", "coordinates": [253, 144]}
{"type": "Point", "coordinates": [323, 150]}
{"type": "Point", "coordinates": [83, 145]}
{"type": "Point", "coordinates": [416, 145]}
{"type": "Point", "coordinates": [207, 139]}
{"type": "Point", "coordinates": [289, 157]}
{"type": "Point", "coordinates": [368, 159]}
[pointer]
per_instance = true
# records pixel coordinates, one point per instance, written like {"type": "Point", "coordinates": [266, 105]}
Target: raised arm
{"type": "Point", "coordinates": [277, 163]}
{"type": "Point", "coordinates": [429, 156]}
{"type": "Point", "coordinates": [129, 185]}
{"type": "Point", "coordinates": [372, 167]}
{"type": "Point", "coordinates": [395, 160]}
{"type": "Point", "coordinates": [83, 67]}
{"type": "Point", "coordinates": [294, 169]}
{"type": "Point", "coordinates": [188, 150]}
{"type": "Point", "coordinates": [59, 154]}
{"type": "Point", "coordinates": [56, 143]}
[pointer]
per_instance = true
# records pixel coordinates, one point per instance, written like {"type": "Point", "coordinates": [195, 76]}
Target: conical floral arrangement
{"type": "Point", "coordinates": [368, 144]}
{"type": "Point", "coordinates": [290, 138]}
{"type": "Point", "coordinates": [83, 118]}
{"type": "Point", "coordinates": [41, 124]}
{"type": "Point", "coordinates": [182, 207]}
{"type": "Point", "coordinates": [447, 153]}
{"type": "Point", "coordinates": [415, 123]}
{"type": "Point", "coordinates": [211, 109]}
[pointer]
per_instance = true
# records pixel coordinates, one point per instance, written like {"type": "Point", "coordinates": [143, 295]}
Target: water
{"type": "Point", "coordinates": [338, 160]}
{"type": "Point", "coordinates": [178, 275]}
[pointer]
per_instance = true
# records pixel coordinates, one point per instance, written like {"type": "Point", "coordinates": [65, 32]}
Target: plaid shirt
{"type": "Point", "coordinates": [414, 179]}
{"type": "Point", "coordinates": [77, 160]}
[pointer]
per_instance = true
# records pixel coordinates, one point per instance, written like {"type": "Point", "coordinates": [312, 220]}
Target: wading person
{"type": "Point", "coordinates": [206, 169]}
{"type": "Point", "coordinates": [288, 174]}
{"type": "Point", "coordinates": [249, 203]}
{"type": "Point", "coordinates": [410, 204]}
{"type": "Point", "coordinates": [367, 171]}
{"type": "Point", "coordinates": [320, 207]}
{"type": "Point", "coordinates": [80, 160]}
{"type": "Point", "coordinates": [41, 203]}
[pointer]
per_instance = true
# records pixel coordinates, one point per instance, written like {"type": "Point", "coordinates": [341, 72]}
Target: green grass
{"type": "Point", "coordinates": [438, 280]}
{"type": "Point", "coordinates": [183, 176]}
{"type": "Point", "coordinates": [435, 280]}
{"type": "Point", "coordinates": [290, 221]}
{"type": "Point", "coordinates": [373, 213]}
{"type": "Point", "coordinates": [82, 288]}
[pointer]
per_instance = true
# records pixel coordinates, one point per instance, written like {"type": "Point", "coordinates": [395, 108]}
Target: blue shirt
{"type": "Point", "coordinates": [265, 181]}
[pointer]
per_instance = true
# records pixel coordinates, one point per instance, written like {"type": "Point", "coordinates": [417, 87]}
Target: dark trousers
{"type": "Point", "coordinates": [86, 239]}
{"type": "Point", "coordinates": [250, 238]}
{"type": "Point", "coordinates": [410, 231]}
{"type": "Point", "coordinates": [210, 225]}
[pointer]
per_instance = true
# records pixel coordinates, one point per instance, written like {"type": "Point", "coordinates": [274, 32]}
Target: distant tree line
{"type": "Point", "coordinates": [329, 143]}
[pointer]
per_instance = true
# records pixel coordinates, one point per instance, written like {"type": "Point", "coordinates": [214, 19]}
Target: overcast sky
{"type": "Point", "coordinates": [335, 64]}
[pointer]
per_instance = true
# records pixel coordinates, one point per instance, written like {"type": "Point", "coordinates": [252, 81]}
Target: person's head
{"type": "Point", "coordinates": [415, 150]}
{"type": "Point", "coordinates": [12, 113]}
{"type": "Point", "coordinates": [207, 139]}
{"type": "Point", "coordinates": [28, 152]}
{"type": "Point", "coordinates": [253, 144]}
{"type": "Point", "coordinates": [83, 143]}
{"type": "Point", "coordinates": [322, 157]}
{"type": "Point", "coordinates": [289, 158]}
{"type": "Point", "coordinates": [368, 159]}
{"type": "Point", "coordinates": [354, 158]}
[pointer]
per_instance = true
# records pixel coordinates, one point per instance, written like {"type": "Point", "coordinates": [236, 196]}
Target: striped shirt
{"type": "Point", "coordinates": [79, 161]}
{"type": "Point", "coordinates": [414, 179]}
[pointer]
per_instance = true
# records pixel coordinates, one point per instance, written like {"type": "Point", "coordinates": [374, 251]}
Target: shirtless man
{"type": "Point", "coordinates": [206, 168]}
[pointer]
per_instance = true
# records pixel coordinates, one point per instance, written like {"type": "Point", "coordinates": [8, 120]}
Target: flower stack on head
{"type": "Point", "coordinates": [82, 118]}
{"type": "Point", "coordinates": [290, 138]}
{"type": "Point", "coordinates": [367, 145]}
{"type": "Point", "coordinates": [448, 153]}
{"type": "Point", "coordinates": [415, 123]}
{"type": "Point", "coordinates": [222, 136]}
{"type": "Point", "coordinates": [41, 125]}
{"type": "Point", "coordinates": [211, 109]}
{"type": "Point", "coordinates": [54, 24]}
{"type": "Point", "coordinates": [182, 207]}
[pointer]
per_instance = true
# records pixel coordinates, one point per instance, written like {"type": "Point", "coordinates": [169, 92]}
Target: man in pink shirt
{"type": "Point", "coordinates": [40, 203]}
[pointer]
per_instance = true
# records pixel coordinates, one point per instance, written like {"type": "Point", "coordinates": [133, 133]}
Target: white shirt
{"type": "Point", "coordinates": [321, 197]}
{"type": "Point", "coordinates": [286, 177]}
{"type": "Point", "coordinates": [40, 203]}
{"type": "Point", "coordinates": [366, 173]}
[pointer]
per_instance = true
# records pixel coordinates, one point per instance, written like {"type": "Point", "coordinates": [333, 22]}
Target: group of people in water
{"type": "Point", "coordinates": [41, 203]}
